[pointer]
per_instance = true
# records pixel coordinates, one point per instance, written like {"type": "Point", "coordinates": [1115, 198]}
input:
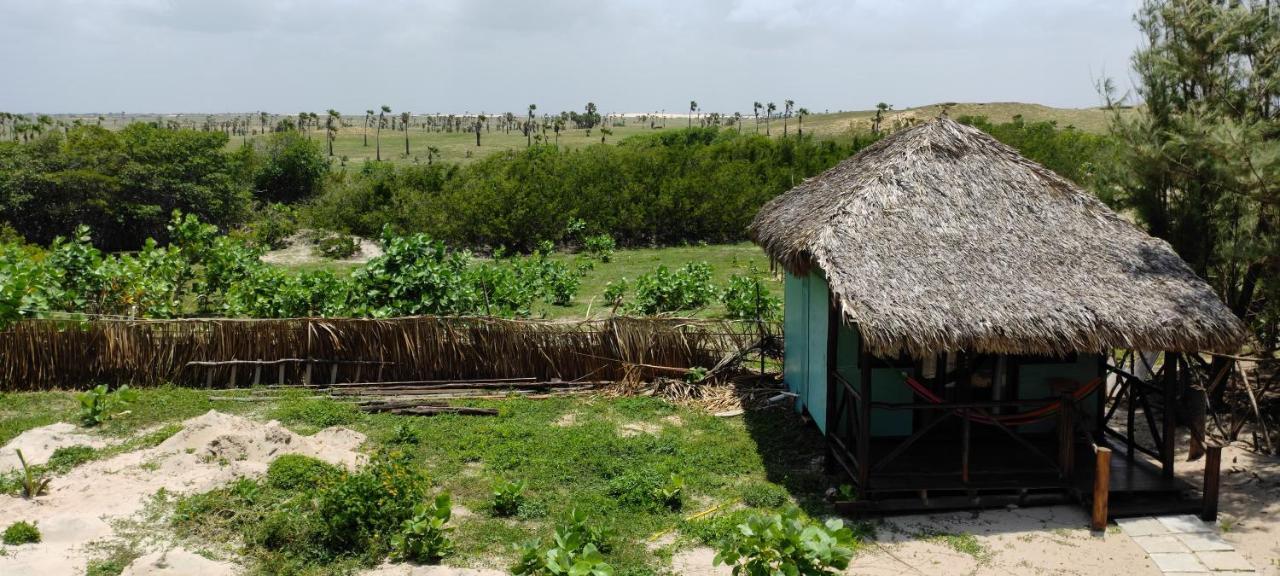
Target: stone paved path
{"type": "Point", "coordinates": [1185, 546]}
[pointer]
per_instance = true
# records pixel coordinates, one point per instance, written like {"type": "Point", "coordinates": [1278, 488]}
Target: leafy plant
{"type": "Point", "coordinates": [600, 247]}
{"type": "Point", "coordinates": [671, 492]}
{"type": "Point", "coordinates": [788, 543]}
{"type": "Point", "coordinates": [746, 297]}
{"type": "Point", "coordinates": [98, 404]}
{"type": "Point", "coordinates": [576, 550]}
{"type": "Point", "coordinates": [336, 246]}
{"type": "Point", "coordinates": [34, 483]}
{"type": "Point", "coordinates": [21, 532]}
{"type": "Point", "coordinates": [425, 537]}
{"type": "Point", "coordinates": [764, 495]}
{"type": "Point", "coordinates": [298, 472]}
{"type": "Point", "coordinates": [404, 434]}
{"type": "Point", "coordinates": [357, 511]}
{"type": "Point", "coordinates": [508, 497]}
{"type": "Point", "coordinates": [688, 288]}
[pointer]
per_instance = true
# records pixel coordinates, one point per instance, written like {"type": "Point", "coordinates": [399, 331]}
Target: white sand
{"type": "Point", "coordinates": [1249, 506]}
{"type": "Point", "coordinates": [178, 562]}
{"type": "Point", "coordinates": [211, 450]}
{"type": "Point", "coordinates": [415, 570]}
{"type": "Point", "coordinates": [38, 444]}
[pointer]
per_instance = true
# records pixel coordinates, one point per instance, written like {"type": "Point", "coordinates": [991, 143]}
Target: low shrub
{"type": "Point", "coordinates": [100, 403]}
{"type": "Point", "coordinates": [359, 511]}
{"type": "Point", "coordinates": [404, 434]}
{"type": "Point", "coordinates": [686, 289]}
{"type": "Point", "coordinates": [747, 297]}
{"type": "Point", "coordinates": [425, 537]}
{"type": "Point", "coordinates": [21, 532]}
{"type": "Point", "coordinates": [764, 495]}
{"type": "Point", "coordinates": [336, 246]}
{"type": "Point", "coordinates": [600, 247]}
{"type": "Point", "coordinates": [647, 491]}
{"type": "Point", "coordinates": [508, 497]}
{"type": "Point", "coordinates": [788, 543]}
{"type": "Point", "coordinates": [272, 226]}
{"type": "Point", "coordinates": [321, 413]}
{"type": "Point", "coordinates": [576, 549]}
{"type": "Point", "coordinates": [298, 472]}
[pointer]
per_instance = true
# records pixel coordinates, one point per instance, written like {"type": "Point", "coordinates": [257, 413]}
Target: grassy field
{"type": "Point", "coordinates": [586, 453]}
{"type": "Point", "coordinates": [461, 146]}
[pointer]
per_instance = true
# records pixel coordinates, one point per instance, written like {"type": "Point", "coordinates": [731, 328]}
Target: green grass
{"type": "Point", "coordinates": [764, 458]}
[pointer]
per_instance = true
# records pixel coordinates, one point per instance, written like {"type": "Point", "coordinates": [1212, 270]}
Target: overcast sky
{"type": "Point", "coordinates": [501, 55]}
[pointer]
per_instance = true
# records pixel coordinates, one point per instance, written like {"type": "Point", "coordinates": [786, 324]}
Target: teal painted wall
{"type": "Point", "coordinates": [805, 326]}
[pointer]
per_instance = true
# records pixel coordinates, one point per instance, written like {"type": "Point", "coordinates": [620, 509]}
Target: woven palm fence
{"type": "Point", "coordinates": [44, 354]}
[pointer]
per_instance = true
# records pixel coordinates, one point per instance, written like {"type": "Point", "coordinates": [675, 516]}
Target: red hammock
{"type": "Point", "coordinates": [1018, 419]}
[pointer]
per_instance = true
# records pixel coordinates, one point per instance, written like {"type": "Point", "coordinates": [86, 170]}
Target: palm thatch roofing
{"type": "Point", "coordinates": [940, 238]}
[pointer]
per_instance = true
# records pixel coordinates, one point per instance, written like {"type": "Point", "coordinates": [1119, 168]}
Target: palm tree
{"type": "Point", "coordinates": [331, 124]}
{"type": "Point", "coordinates": [368, 118]}
{"type": "Point", "coordinates": [786, 113]}
{"type": "Point", "coordinates": [404, 124]}
{"type": "Point", "coordinates": [881, 108]}
{"type": "Point", "coordinates": [480, 123]}
{"type": "Point", "coordinates": [432, 152]}
{"type": "Point", "coordinates": [769, 109]}
{"type": "Point", "coordinates": [382, 119]}
{"type": "Point", "coordinates": [605, 132]}
{"type": "Point", "coordinates": [756, 109]}
{"type": "Point", "coordinates": [263, 117]}
{"type": "Point", "coordinates": [737, 119]}
{"type": "Point", "coordinates": [693, 107]}
{"type": "Point", "coordinates": [528, 125]}
{"type": "Point", "coordinates": [800, 114]}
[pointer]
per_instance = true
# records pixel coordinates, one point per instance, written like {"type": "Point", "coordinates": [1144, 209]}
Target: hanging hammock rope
{"type": "Point", "coordinates": [1018, 419]}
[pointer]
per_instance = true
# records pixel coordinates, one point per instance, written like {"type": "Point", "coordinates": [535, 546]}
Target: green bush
{"type": "Point", "coordinates": [272, 225]}
{"type": "Point", "coordinates": [600, 247]}
{"type": "Point", "coordinates": [336, 246]}
{"type": "Point", "coordinates": [508, 497]}
{"type": "Point", "coordinates": [788, 543]}
{"type": "Point", "coordinates": [764, 495]}
{"type": "Point", "coordinates": [646, 490]}
{"type": "Point", "coordinates": [425, 537]}
{"type": "Point", "coordinates": [98, 404]}
{"type": "Point", "coordinates": [686, 289]}
{"type": "Point", "coordinates": [404, 434]}
{"type": "Point", "coordinates": [361, 510]}
{"type": "Point", "coordinates": [747, 297]}
{"type": "Point", "coordinates": [576, 549]}
{"type": "Point", "coordinates": [20, 533]}
{"type": "Point", "coordinates": [298, 472]}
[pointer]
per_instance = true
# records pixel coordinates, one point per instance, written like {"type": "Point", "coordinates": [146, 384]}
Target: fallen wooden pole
{"type": "Point", "coordinates": [435, 382]}
{"type": "Point", "coordinates": [428, 410]}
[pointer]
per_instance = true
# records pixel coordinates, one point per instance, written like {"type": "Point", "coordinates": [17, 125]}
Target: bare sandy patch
{"type": "Point", "coordinates": [178, 562]}
{"type": "Point", "coordinates": [415, 570]}
{"type": "Point", "coordinates": [567, 419]}
{"type": "Point", "coordinates": [1249, 506]}
{"type": "Point", "coordinates": [632, 429]}
{"type": "Point", "coordinates": [299, 251]}
{"type": "Point", "coordinates": [210, 450]}
{"type": "Point", "coordinates": [38, 444]}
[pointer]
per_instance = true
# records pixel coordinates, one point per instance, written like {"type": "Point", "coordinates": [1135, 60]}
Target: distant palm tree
{"type": "Point", "coordinates": [800, 114]}
{"type": "Point", "coordinates": [528, 125]}
{"type": "Point", "coordinates": [786, 113]}
{"type": "Point", "coordinates": [756, 109]}
{"type": "Point", "coordinates": [769, 109]}
{"type": "Point", "coordinates": [404, 124]}
{"type": "Point", "coordinates": [480, 123]}
{"type": "Point", "coordinates": [432, 153]}
{"type": "Point", "coordinates": [605, 132]}
{"type": "Point", "coordinates": [368, 119]}
{"type": "Point", "coordinates": [331, 123]}
{"type": "Point", "coordinates": [382, 119]}
{"type": "Point", "coordinates": [693, 107]}
{"type": "Point", "coordinates": [737, 119]}
{"type": "Point", "coordinates": [263, 117]}
{"type": "Point", "coordinates": [881, 108]}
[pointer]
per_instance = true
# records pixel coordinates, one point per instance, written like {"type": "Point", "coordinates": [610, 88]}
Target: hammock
{"type": "Point", "coordinates": [1029, 417]}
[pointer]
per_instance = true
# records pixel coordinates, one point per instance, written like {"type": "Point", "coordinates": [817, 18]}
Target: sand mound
{"type": "Point", "coordinates": [178, 562]}
{"type": "Point", "coordinates": [210, 450]}
{"type": "Point", "coordinates": [38, 444]}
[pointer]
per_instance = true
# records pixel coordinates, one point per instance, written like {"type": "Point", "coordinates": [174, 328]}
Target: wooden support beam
{"type": "Point", "coordinates": [1212, 477]}
{"type": "Point", "coordinates": [1066, 435]}
{"type": "Point", "coordinates": [864, 416]}
{"type": "Point", "coordinates": [1169, 435]}
{"type": "Point", "coordinates": [833, 352]}
{"type": "Point", "coordinates": [1101, 487]}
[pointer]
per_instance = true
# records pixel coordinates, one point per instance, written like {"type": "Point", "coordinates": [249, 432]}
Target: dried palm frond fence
{"type": "Point", "coordinates": [42, 354]}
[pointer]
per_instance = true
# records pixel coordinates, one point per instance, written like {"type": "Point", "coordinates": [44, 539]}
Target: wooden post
{"type": "Point", "coordinates": [1170, 433]}
{"type": "Point", "coordinates": [333, 373]}
{"type": "Point", "coordinates": [1066, 435]}
{"type": "Point", "coordinates": [1212, 475]}
{"type": "Point", "coordinates": [1101, 487]}
{"type": "Point", "coordinates": [233, 376]}
{"type": "Point", "coordinates": [257, 375]}
{"type": "Point", "coordinates": [833, 350]}
{"type": "Point", "coordinates": [280, 374]}
{"type": "Point", "coordinates": [1131, 400]}
{"type": "Point", "coordinates": [1103, 390]}
{"type": "Point", "coordinates": [864, 416]}
{"type": "Point", "coordinates": [965, 425]}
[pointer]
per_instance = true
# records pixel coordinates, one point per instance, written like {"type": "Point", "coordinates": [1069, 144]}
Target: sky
{"type": "Point", "coordinates": [456, 56]}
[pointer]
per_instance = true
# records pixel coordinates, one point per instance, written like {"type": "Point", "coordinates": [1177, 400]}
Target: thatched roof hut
{"type": "Point", "coordinates": [941, 238]}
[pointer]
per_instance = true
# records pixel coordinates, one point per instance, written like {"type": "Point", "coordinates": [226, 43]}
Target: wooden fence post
{"type": "Point", "coordinates": [1101, 487]}
{"type": "Point", "coordinates": [1212, 475]}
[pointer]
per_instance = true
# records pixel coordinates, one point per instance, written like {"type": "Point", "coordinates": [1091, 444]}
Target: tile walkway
{"type": "Point", "coordinates": [1185, 546]}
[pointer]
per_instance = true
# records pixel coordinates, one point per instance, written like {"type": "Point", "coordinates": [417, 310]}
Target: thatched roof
{"type": "Point", "coordinates": [941, 238]}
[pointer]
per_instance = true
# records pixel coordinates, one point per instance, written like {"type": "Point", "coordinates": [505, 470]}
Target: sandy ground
{"type": "Point", "coordinates": [299, 251]}
{"type": "Point", "coordinates": [1249, 506]}
{"type": "Point", "coordinates": [1027, 541]}
{"type": "Point", "coordinates": [38, 444]}
{"type": "Point", "coordinates": [210, 450]}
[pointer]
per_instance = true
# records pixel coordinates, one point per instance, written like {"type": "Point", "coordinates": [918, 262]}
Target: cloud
{"type": "Point", "coordinates": [456, 55]}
